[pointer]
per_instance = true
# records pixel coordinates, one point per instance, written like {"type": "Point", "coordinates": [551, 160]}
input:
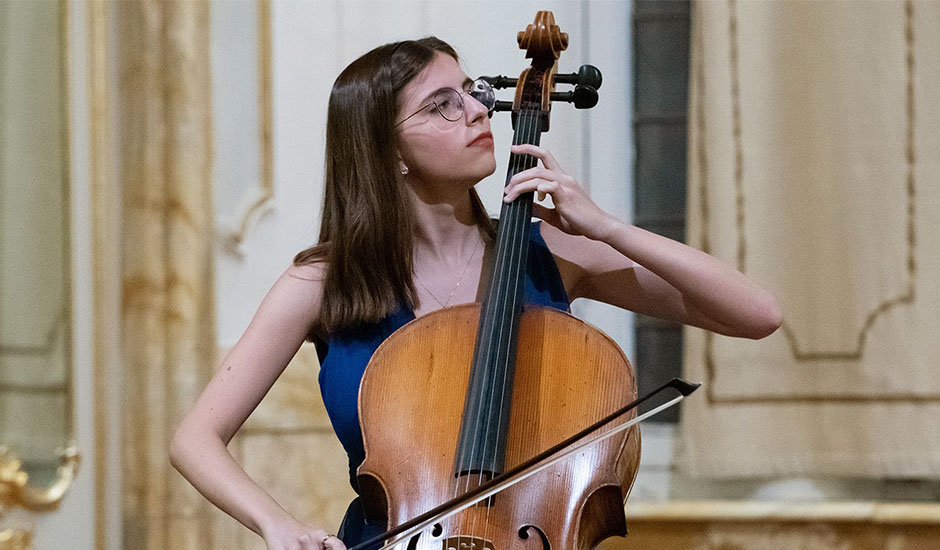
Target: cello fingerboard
{"type": "Point", "coordinates": [481, 448]}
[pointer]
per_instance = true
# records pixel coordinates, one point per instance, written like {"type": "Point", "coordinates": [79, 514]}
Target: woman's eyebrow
{"type": "Point", "coordinates": [426, 99]}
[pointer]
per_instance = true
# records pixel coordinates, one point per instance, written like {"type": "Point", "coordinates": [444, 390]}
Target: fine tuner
{"type": "Point", "coordinates": [584, 96]}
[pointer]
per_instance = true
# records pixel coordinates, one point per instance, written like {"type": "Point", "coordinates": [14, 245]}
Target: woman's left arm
{"type": "Point", "coordinates": [609, 260]}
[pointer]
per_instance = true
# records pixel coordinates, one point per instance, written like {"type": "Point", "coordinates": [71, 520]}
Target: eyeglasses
{"type": "Point", "coordinates": [449, 102]}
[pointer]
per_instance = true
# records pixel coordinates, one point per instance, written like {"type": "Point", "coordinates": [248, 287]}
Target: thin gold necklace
{"type": "Point", "coordinates": [459, 280]}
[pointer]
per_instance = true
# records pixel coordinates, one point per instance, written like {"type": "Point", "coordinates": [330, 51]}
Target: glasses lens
{"type": "Point", "coordinates": [449, 104]}
{"type": "Point", "coordinates": [481, 91]}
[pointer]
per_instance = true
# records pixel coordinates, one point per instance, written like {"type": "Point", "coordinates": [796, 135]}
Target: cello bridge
{"type": "Point", "coordinates": [466, 543]}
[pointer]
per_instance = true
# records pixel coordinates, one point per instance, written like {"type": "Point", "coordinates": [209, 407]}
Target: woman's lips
{"type": "Point", "coordinates": [486, 138]}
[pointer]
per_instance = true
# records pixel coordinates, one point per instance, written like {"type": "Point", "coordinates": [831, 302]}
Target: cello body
{"type": "Point", "coordinates": [568, 374]}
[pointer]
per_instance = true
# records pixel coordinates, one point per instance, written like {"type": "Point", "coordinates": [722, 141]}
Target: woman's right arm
{"type": "Point", "coordinates": [199, 447]}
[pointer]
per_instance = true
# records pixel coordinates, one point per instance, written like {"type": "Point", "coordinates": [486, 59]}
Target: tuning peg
{"type": "Point", "coordinates": [500, 82]}
{"type": "Point", "coordinates": [503, 106]}
{"type": "Point", "coordinates": [583, 97]}
{"type": "Point", "coordinates": [587, 75]}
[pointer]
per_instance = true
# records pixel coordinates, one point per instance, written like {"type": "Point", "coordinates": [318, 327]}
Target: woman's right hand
{"type": "Point", "coordinates": [297, 536]}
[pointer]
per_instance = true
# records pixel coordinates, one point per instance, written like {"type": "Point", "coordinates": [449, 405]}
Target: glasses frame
{"type": "Point", "coordinates": [487, 89]}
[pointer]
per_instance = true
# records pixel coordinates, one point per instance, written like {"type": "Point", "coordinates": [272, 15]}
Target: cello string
{"type": "Point", "coordinates": [493, 298]}
{"type": "Point", "coordinates": [507, 226]}
{"type": "Point", "coordinates": [508, 263]}
{"type": "Point", "coordinates": [516, 243]}
{"type": "Point", "coordinates": [507, 267]}
{"type": "Point", "coordinates": [519, 242]}
{"type": "Point", "coordinates": [505, 276]}
{"type": "Point", "coordinates": [501, 299]}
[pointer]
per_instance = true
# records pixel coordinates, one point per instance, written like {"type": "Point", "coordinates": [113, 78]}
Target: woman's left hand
{"type": "Point", "coordinates": [574, 212]}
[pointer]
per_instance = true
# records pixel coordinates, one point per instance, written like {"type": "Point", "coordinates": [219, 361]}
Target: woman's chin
{"type": "Point", "coordinates": [479, 172]}
{"type": "Point", "coordinates": [488, 169]}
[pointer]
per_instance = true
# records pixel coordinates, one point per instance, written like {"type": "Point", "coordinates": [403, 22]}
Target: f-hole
{"type": "Point", "coordinates": [524, 535]}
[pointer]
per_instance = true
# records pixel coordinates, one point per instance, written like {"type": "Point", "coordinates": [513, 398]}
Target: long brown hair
{"type": "Point", "coordinates": [368, 224]}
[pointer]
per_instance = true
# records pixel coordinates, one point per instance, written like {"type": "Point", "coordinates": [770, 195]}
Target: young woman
{"type": "Point", "coordinates": [403, 233]}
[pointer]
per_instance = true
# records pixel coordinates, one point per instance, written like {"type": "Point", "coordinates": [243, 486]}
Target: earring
{"type": "Point", "coordinates": [404, 170]}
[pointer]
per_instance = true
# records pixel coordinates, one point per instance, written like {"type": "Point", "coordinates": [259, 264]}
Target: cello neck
{"type": "Point", "coordinates": [481, 447]}
{"type": "Point", "coordinates": [489, 393]}
{"type": "Point", "coordinates": [505, 292]}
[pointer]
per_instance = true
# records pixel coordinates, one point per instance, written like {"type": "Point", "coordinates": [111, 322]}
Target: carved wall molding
{"type": "Point", "coordinates": [714, 525]}
{"type": "Point", "coordinates": [16, 539]}
{"type": "Point", "coordinates": [258, 200]}
{"type": "Point", "coordinates": [15, 489]}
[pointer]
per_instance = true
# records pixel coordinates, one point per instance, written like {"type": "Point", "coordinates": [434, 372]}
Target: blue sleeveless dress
{"type": "Point", "coordinates": [344, 357]}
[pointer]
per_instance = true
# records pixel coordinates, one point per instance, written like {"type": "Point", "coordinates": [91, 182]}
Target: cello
{"type": "Point", "coordinates": [457, 397]}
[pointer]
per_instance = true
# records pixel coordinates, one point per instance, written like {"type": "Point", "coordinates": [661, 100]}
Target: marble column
{"type": "Point", "coordinates": [168, 296]}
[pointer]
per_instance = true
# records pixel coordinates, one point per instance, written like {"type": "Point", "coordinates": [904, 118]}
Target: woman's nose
{"type": "Point", "coordinates": [473, 109]}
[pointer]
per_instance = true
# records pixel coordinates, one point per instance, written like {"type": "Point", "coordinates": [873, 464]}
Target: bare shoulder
{"type": "Point", "coordinates": [314, 274]}
{"type": "Point", "coordinates": [296, 296]}
{"type": "Point", "coordinates": [276, 331]}
{"type": "Point", "coordinates": [580, 259]}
